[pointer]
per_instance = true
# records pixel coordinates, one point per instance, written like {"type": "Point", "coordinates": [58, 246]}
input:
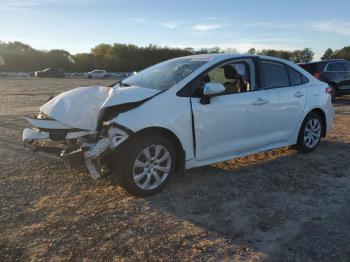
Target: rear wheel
{"type": "Point", "coordinates": [310, 133]}
{"type": "Point", "coordinates": [145, 165]}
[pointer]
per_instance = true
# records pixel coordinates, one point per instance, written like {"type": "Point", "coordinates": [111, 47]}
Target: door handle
{"type": "Point", "coordinates": [260, 101]}
{"type": "Point", "coordinates": [298, 94]}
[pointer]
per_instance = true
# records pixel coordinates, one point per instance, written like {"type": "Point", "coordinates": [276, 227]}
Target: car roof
{"type": "Point", "coordinates": [217, 57]}
{"type": "Point", "coordinates": [221, 57]}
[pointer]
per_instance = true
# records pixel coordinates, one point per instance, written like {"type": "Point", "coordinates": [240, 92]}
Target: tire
{"type": "Point", "coordinates": [310, 133]}
{"type": "Point", "coordinates": [89, 76]}
{"type": "Point", "coordinates": [132, 169]}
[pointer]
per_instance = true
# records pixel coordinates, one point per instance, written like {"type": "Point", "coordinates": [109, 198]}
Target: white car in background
{"type": "Point", "coordinates": [184, 113]}
{"type": "Point", "coordinates": [97, 74]}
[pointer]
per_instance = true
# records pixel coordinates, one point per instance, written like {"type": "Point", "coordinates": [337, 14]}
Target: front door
{"type": "Point", "coordinates": [235, 121]}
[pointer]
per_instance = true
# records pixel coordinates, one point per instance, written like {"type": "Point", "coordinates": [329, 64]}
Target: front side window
{"type": "Point", "coordinates": [236, 77]}
{"type": "Point", "coordinates": [274, 75]}
{"type": "Point", "coordinates": [164, 75]}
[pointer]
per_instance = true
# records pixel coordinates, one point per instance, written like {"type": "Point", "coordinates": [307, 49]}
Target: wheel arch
{"type": "Point", "coordinates": [322, 114]}
{"type": "Point", "coordinates": [180, 161]}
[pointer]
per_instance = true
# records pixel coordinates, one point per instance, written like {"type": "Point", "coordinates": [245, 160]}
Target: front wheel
{"type": "Point", "coordinates": [310, 133]}
{"type": "Point", "coordinates": [145, 165]}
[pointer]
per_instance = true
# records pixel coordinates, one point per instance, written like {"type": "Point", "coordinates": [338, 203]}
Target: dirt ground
{"type": "Point", "coordinates": [274, 206]}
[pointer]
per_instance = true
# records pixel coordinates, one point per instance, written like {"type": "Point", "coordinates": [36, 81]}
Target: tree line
{"type": "Point", "coordinates": [17, 56]}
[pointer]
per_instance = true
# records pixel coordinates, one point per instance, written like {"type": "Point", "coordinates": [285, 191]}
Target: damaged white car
{"type": "Point", "coordinates": [183, 113]}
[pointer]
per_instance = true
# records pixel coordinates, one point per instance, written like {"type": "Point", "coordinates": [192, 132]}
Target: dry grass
{"type": "Point", "coordinates": [272, 206]}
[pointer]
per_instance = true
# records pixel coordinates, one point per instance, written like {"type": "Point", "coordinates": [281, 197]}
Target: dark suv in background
{"type": "Point", "coordinates": [335, 72]}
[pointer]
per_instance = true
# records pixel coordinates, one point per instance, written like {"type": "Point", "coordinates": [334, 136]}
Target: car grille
{"type": "Point", "coordinates": [57, 135]}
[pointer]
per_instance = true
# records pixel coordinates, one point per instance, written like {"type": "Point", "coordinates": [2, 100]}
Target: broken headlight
{"type": "Point", "coordinates": [111, 112]}
{"type": "Point", "coordinates": [43, 116]}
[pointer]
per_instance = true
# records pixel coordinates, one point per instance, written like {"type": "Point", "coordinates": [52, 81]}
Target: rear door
{"type": "Point", "coordinates": [287, 98]}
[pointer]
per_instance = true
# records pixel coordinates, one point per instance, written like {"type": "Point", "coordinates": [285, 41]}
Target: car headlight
{"type": "Point", "coordinates": [43, 116]}
{"type": "Point", "coordinates": [111, 112]}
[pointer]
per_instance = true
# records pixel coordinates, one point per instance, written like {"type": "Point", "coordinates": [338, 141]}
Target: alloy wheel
{"type": "Point", "coordinates": [312, 133]}
{"type": "Point", "coordinates": [151, 167]}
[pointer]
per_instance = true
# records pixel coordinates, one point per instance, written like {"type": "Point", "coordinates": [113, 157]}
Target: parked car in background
{"type": "Point", "coordinates": [97, 74]}
{"type": "Point", "coordinates": [75, 74]}
{"type": "Point", "coordinates": [121, 74]}
{"type": "Point", "coordinates": [50, 72]}
{"type": "Point", "coordinates": [335, 72]}
{"type": "Point", "coordinates": [23, 74]}
{"type": "Point", "coordinates": [184, 113]}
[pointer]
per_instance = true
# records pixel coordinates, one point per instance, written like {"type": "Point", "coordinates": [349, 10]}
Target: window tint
{"type": "Point", "coordinates": [336, 67]}
{"type": "Point", "coordinates": [274, 75]}
{"type": "Point", "coordinates": [295, 77]}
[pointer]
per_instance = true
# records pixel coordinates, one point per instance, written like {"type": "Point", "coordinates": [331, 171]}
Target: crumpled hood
{"type": "Point", "coordinates": [80, 107]}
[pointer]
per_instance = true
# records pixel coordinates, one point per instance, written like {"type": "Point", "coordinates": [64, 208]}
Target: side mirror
{"type": "Point", "coordinates": [211, 89]}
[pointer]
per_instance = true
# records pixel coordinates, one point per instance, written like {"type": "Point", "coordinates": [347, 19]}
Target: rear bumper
{"type": "Point", "coordinates": [329, 118]}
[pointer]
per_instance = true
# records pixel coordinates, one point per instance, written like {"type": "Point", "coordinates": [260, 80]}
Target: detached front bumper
{"type": "Point", "coordinates": [90, 145]}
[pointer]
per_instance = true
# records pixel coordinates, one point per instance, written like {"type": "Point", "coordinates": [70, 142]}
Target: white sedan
{"type": "Point", "coordinates": [184, 113]}
{"type": "Point", "coordinates": [97, 74]}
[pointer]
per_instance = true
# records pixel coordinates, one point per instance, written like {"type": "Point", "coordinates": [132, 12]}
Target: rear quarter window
{"type": "Point", "coordinates": [296, 78]}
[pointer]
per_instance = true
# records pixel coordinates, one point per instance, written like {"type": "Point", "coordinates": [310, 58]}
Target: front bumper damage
{"type": "Point", "coordinates": [91, 145]}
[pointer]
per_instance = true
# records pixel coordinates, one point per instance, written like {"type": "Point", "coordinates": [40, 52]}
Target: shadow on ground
{"type": "Point", "coordinates": [279, 207]}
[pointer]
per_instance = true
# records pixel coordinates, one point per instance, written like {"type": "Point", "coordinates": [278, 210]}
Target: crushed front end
{"type": "Point", "coordinates": [75, 144]}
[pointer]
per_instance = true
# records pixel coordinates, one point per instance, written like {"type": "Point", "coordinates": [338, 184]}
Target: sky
{"type": "Point", "coordinates": [79, 25]}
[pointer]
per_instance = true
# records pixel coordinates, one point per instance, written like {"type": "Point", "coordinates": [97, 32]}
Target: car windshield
{"type": "Point", "coordinates": [164, 75]}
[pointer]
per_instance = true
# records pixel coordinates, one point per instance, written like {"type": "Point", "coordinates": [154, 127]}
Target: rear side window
{"type": "Point", "coordinates": [274, 75]}
{"type": "Point", "coordinates": [296, 78]}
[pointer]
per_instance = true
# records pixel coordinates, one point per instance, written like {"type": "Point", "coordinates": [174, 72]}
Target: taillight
{"type": "Point", "coordinates": [329, 90]}
{"type": "Point", "coordinates": [317, 74]}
